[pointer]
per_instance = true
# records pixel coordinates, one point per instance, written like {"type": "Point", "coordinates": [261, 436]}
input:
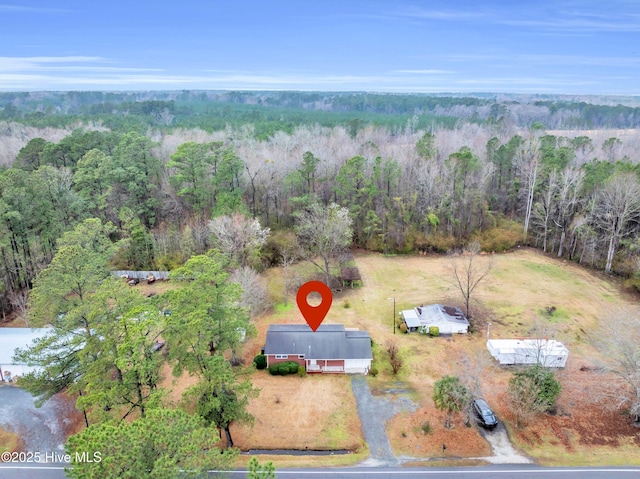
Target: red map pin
{"type": "Point", "coordinates": [314, 315]}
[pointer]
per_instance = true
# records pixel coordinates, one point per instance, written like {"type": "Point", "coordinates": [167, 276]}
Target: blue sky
{"type": "Point", "coordinates": [545, 46]}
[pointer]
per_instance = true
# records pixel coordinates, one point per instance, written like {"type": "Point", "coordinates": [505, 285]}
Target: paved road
{"type": "Point", "coordinates": [53, 471]}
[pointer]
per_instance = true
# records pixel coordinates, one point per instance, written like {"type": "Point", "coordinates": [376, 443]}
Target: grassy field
{"type": "Point", "coordinates": [319, 411]}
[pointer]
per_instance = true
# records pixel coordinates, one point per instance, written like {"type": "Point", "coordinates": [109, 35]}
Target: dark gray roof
{"type": "Point", "coordinates": [330, 341]}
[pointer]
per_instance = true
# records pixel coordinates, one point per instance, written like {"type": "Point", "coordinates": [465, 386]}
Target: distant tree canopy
{"type": "Point", "coordinates": [414, 173]}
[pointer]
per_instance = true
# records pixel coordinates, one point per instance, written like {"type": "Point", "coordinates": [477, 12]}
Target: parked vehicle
{"type": "Point", "coordinates": [484, 414]}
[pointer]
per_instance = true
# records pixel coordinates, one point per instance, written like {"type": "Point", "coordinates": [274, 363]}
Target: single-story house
{"type": "Point", "coordinates": [448, 319]}
{"type": "Point", "coordinates": [332, 348]}
{"type": "Point", "coordinates": [10, 340]}
{"type": "Point", "coordinates": [547, 352]}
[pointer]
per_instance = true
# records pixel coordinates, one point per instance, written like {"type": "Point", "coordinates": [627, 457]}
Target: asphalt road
{"type": "Point", "coordinates": [56, 471]}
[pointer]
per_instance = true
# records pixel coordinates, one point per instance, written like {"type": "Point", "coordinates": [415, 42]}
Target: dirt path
{"type": "Point", "coordinates": [503, 451]}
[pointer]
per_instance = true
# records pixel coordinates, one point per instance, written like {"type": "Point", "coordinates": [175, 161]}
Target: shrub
{"type": "Point", "coordinates": [302, 372]}
{"type": "Point", "coordinates": [392, 348]}
{"type": "Point", "coordinates": [532, 391]}
{"type": "Point", "coordinates": [284, 368]}
{"type": "Point", "coordinates": [373, 372]}
{"type": "Point", "coordinates": [346, 304]}
{"type": "Point", "coordinates": [403, 327]}
{"type": "Point", "coordinates": [260, 361]}
{"type": "Point", "coordinates": [426, 428]}
{"type": "Point", "coordinates": [292, 367]}
{"type": "Point", "coordinates": [438, 243]}
{"type": "Point", "coordinates": [503, 237]}
{"type": "Point", "coordinates": [396, 364]}
{"type": "Point", "coordinates": [434, 331]}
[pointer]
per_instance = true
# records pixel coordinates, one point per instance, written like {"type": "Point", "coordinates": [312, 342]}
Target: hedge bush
{"type": "Point", "coordinates": [434, 331]}
{"type": "Point", "coordinates": [260, 361]}
{"type": "Point", "coordinates": [284, 368]}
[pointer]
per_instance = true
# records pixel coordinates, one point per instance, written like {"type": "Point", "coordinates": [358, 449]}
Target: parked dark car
{"type": "Point", "coordinates": [484, 414]}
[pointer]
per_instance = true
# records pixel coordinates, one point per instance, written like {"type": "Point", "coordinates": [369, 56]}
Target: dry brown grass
{"type": "Point", "coordinates": [408, 438]}
{"type": "Point", "coordinates": [312, 412]}
{"type": "Point", "coordinates": [9, 441]}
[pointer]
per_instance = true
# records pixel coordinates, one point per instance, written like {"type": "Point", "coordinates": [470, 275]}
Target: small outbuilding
{"type": "Point", "coordinates": [546, 352]}
{"type": "Point", "coordinates": [448, 319]}
{"type": "Point", "coordinates": [332, 348]}
{"type": "Point", "coordinates": [10, 340]}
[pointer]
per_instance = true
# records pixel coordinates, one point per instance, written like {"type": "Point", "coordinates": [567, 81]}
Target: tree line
{"type": "Point", "coordinates": [574, 197]}
{"type": "Point", "coordinates": [282, 111]}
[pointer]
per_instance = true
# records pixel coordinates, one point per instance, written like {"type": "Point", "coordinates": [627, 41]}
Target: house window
{"type": "Point", "coordinates": [282, 356]}
{"type": "Point", "coordinates": [300, 356]}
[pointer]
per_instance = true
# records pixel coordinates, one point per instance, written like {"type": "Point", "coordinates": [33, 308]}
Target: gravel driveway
{"type": "Point", "coordinates": [374, 412]}
{"type": "Point", "coordinates": [41, 429]}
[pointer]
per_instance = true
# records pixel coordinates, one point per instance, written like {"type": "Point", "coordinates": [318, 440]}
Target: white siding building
{"type": "Point", "coordinates": [10, 340]}
{"type": "Point", "coordinates": [448, 319]}
{"type": "Point", "coordinates": [546, 352]}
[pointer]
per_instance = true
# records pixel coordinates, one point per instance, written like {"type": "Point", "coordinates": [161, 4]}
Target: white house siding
{"type": "Point", "coordinates": [12, 339]}
{"type": "Point", "coordinates": [357, 366]}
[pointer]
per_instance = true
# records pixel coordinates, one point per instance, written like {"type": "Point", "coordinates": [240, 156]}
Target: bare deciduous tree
{"type": "Point", "coordinates": [468, 271]}
{"type": "Point", "coordinates": [324, 232]}
{"type": "Point", "coordinates": [530, 165]}
{"type": "Point", "coordinates": [19, 301]}
{"type": "Point", "coordinates": [254, 290]}
{"type": "Point", "coordinates": [290, 252]}
{"type": "Point", "coordinates": [619, 202]}
{"type": "Point", "coordinates": [543, 209]}
{"type": "Point", "coordinates": [238, 237]}
{"type": "Point", "coordinates": [568, 201]}
{"type": "Point", "coordinates": [618, 339]}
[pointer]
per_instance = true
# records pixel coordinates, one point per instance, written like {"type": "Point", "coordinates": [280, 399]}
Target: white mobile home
{"type": "Point", "coordinates": [546, 352]}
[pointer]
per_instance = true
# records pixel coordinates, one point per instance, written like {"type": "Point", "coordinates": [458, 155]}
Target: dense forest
{"type": "Point", "coordinates": [416, 172]}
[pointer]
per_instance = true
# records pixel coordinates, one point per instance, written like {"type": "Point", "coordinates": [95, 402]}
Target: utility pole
{"type": "Point", "coordinates": [394, 315]}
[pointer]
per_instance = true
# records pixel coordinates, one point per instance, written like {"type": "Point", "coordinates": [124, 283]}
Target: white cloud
{"type": "Point", "coordinates": [37, 63]}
